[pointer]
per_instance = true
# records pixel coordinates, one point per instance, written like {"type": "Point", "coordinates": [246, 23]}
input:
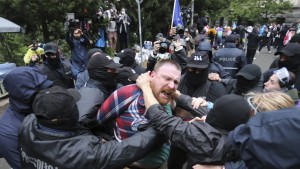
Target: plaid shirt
{"type": "Point", "coordinates": [126, 105]}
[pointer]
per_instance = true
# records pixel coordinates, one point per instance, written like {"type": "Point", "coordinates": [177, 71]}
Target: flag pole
{"type": "Point", "coordinates": [173, 13]}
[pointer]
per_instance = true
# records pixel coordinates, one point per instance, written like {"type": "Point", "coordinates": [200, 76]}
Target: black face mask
{"type": "Point", "coordinates": [290, 64]}
{"type": "Point", "coordinates": [55, 62]}
{"type": "Point", "coordinates": [195, 80]}
{"type": "Point", "coordinates": [243, 85]}
{"type": "Point", "coordinates": [127, 61]}
{"type": "Point", "coordinates": [108, 79]}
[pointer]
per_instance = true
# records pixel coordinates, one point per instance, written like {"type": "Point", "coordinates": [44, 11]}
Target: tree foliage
{"type": "Point", "coordinates": [257, 10]}
{"type": "Point", "coordinates": [44, 20]}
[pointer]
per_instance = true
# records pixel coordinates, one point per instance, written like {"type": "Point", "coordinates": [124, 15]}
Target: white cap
{"type": "Point", "coordinates": [283, 75]}
{"type": "Point", "coordinates": [249, 28]}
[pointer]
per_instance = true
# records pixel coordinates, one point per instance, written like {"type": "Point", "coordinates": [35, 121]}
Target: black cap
{"type": "Point", "coordinates": [198, 60]}
{"type": "Point", "coordinates": [128, 52]}
{"type": "Point", "coordinates": [226, 116]}
{"type": "Point", "coordinates": [290, 49]}
{"type": "Point", "coordinates": [56, 107]}
{"type": "Point", "coordinates": [128, 73]}
{"type": "Point", "coordinates": [250, 72]}
{"type": "Point", "coordinates": [50, 47]}
{"type": "Point", "coordinates": [101, 60]}
{"type": "Point", "coordinates": [93, 51]}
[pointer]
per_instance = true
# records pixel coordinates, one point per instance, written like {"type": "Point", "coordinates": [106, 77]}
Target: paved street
{"type": "Point", "coordinates": [264, 59]}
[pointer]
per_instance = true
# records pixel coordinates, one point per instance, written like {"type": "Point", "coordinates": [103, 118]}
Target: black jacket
{"type": "Point", "coordinates": [232, 88]}
{"type": "Point", "coordinates": [61, 76]}
{"type": "Point", "coordinates": [41, 148]}
{"type": "Point", "coordinates": [211, 91]}
{"type": "Point", "coordinates": [253, 40]}
{"type": "Point", "coordinates": [22, 83]}
{"type": "Point", "coordinates": [181, 58]}
{"type": "Point", "coordinates": [202, 143]}
{"type": "Point", "coordinates": [137, 68]}
{"type": "Point", "coordinates": [231, 58]}
{"type": "Point", "coordinates": [269, 140]}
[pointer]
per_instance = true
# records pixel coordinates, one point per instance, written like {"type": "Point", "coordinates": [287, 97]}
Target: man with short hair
{"type": "Point", "coordinates": [78, 44]}
{"type": "Point", "coordinates": [126, 107]}
{"type": "Point", "coordinates": [53, 138]}
{"type": "Point", "coordinates": [203, 142]}
{"type": "Point", "coordinates": [55, 68]}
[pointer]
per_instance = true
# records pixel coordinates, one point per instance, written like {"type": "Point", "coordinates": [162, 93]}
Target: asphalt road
{"type": "Point", "coordinates": [264, 59]}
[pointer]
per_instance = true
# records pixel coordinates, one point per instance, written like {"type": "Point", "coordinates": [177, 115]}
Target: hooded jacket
{"type": "Point", "coordinates": [269, 140]}
{"type": "Point", "coordinates": [80, 149]}
{"type": "Point", "coordinates": [22, 83]}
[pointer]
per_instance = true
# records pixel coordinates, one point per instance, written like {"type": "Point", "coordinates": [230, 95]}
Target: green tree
{"type": "Point", "coordinates": [44, 20]}
{"type": "Point", "coordinates": [258, 11]}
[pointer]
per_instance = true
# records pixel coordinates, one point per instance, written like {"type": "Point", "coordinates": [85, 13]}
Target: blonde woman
{"type": "Point", "coordinates": [262, 102]}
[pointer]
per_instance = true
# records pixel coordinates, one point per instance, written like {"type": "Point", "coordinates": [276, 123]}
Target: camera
{"type": "Point", "coordinates": [71, 23]}
{"type": "Point", "coordinates": [163, 47]}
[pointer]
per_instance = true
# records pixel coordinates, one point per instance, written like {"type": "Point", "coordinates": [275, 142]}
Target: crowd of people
{"type": "Point", "coordinates": [197, 101]}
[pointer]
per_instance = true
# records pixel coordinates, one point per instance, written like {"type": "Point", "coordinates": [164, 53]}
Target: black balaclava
{"type": "Point", "coordinates": [243, 85]}
{"type": "Point", "coordinates": [195, 80]}
{"type": "Point", "coordinates": [127, 61]}
{"type": "Point", "coordinates": [107, 79]}
{"type": "Point", "coordinates": [55, 62]}
{"type": "Point", "coordinates": [292, 63]}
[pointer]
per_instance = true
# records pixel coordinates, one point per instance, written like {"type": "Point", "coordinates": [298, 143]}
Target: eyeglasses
{"type": "Point", "coordinates": [249, 100]}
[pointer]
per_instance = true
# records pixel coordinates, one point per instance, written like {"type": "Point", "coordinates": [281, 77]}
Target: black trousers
{"type": "Point", "coordinates": [250, 55]}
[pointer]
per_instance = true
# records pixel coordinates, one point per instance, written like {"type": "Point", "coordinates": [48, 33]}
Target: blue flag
{"type": "Point", "coordinates": [234, 25]}
{"type": "Point", "coordinates": [177, 18]}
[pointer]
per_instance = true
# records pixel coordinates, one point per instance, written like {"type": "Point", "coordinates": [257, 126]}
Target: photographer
{"type": "Point", "coordinates": [112, 16]}
{"type": "Point", "coordinates": [124, 22]}
{"type": "Point", "coordinates": [78, 43]}
{"type": "Point", "coordinates": [160, 51]}
{"type": "Point", "coordinates": [33, 55]}
{"type": "Point", "coordinates": [190, 42]}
